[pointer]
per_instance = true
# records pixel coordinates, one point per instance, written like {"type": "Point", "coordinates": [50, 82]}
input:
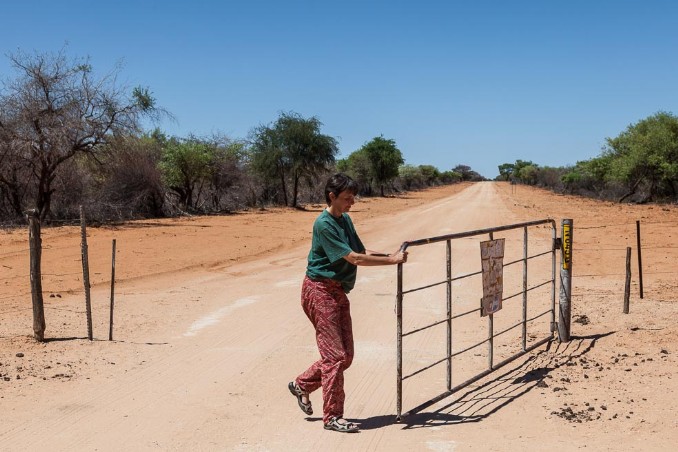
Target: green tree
{"type": "Point", "coordinates": [430, 174]}
{"type": "Point", "coordinates": [410, 176]}
{"type": "Point", "coordinates": [292, 150]}
{"type": "Point", "coordinates": [310, 152]}
{"type": "Point", "coordinates": [268, 160]}
{"type": "Point", "coordinates": [54, 111]}
{"type": "Point", "coordinates": [358, 166]}
{"type": "Point", "coordinates": [506, 170]}
{"type": "Point", "coordinates": [385, 158]}
{"type": "Point", "coordinates": [450, 177]}
{"type": "Point", "coordinates": [645, 156]}
{"type": "Point", "coordinates": [528, 174]}
{"type": "Point", "coordinates": [186, 167]}
{"type": "Point", "coordinates": [467, 174]}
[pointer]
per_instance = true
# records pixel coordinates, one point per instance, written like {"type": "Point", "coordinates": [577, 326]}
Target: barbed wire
{"type": "Point", "coordinates": [576, 248]}
{"type": "Point", "coordinates": [633, 224]}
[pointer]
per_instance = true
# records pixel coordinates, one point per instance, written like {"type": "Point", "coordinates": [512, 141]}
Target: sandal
{"type": "Point", "coordinates": [299, 394]}
{"type": "Point", "coordinates": [346, 427]}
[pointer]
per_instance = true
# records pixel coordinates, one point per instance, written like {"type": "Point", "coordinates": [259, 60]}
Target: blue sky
{"type": "Point", "coordinates": [475, 82]}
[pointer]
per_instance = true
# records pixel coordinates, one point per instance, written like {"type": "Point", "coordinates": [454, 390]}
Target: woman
{"type": "Point", "coordinates": [336, 251]}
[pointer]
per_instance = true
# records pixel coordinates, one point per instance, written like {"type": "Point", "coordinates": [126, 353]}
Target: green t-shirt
{"type": "Point", "coordinates": [333, 238]}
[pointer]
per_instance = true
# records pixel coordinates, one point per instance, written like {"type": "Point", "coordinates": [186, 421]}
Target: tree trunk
{"type": "Point", "coordinates": [283, 185]}
{"type": "Point", "coordinates": [295, 191]}
{"type": "Point", "coordinates": [632, 191]}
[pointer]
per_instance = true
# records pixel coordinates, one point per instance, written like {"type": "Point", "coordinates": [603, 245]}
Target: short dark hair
{"type": "Point", "coordinates": [338, 183]}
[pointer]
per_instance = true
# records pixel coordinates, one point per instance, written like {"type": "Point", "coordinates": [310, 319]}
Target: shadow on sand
{"type": "Point", "coordinates": [481, 401]}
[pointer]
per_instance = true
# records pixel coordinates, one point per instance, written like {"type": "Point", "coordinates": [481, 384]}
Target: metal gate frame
{"type": "Point", "coordinates": [448, 320]}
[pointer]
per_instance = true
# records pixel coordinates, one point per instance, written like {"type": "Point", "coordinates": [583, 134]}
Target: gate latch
{"type": "Point", "coordinates": [557, 243]}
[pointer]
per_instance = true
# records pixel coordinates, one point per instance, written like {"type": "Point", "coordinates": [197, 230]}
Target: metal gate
{"type": "Point", "coordinates": [549, 247]}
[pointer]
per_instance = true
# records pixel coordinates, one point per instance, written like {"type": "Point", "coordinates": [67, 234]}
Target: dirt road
{"type": "Point", "coordinates": [207, 363]}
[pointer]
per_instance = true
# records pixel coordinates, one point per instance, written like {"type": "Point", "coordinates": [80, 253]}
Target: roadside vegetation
{"type": "Point", "coordinates": [70, 137]}
{"type": "Point", "coordinates": [639, 165]}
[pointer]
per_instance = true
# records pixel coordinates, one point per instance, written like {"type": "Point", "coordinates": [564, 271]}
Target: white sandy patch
{"type": "Point", "coordinates": [216, 316]}
{"type": "Point", "coordinates": [289, 283]}
{"type": "Point", "coordinates": [441, 446]}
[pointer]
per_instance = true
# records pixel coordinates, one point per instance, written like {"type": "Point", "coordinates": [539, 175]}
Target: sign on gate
{"type": "Point", "coordinates": [492, 260]}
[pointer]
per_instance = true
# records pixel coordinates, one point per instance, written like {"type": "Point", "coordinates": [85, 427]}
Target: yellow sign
{"type": "Point", "coordinates": [567, 246]}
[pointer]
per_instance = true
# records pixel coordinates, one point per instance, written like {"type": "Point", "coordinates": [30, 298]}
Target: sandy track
{"type": "Point", "coordinates": [206, 364]}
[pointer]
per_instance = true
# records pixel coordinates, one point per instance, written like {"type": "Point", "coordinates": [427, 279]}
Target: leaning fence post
{"type": "Point", "coordinates": [564, 311]}
{"type": "Point", "coordinates": [110, 328]}
{"type": "Point", "coordinates": [85, 272]}
{"type": "Point", "coordinates": [35, 244]}
{"type": "Point", "coordinates": [627, 286]}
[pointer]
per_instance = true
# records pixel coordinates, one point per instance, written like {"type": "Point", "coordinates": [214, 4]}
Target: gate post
{"type": "Point", "coordinates": [399, 344]}
{"type": "Point", "coordinates": [564, 311]}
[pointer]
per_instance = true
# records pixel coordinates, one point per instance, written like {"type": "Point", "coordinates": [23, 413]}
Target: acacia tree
{"type": "Point", "coordinates": [385, 159]}
{"type": "Point", "coordinates": [55, 110]}
{"type": "Point", "coordinates": [506, 171]}
{"type": "Point", "coordinates": [294, 150]}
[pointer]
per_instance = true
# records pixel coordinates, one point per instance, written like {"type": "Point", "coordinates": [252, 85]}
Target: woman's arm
{"type": "Point", "coordinates": [371, 258]}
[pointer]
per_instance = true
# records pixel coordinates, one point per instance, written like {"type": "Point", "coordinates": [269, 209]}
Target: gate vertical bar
{"type": "Point", "coordinates": [449, 315]}
{"type": "Point", "coordinates": [399, 344]}
{"type": "Point", "coordinates": [490, 341]}
{"type": "Point", "coordinates": [564, 311]}
{"type": "Point", "coordinates": [554, 234]}
{"type": "Point", "coordinates": [525, 288]}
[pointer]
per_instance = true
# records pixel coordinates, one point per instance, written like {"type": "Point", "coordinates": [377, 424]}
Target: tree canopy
{"type": "Point", "coordinates": [385, 158]}
{"type": "Point", "coordinates": [55, 110]}
{"type": "Point", "coordinates": [292, 150]}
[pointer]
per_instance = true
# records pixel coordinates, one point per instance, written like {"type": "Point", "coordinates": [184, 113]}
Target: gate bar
{"type": "Point", "coordinates": [461, 235]}
{"type": "Point", "coordinates": [449, 314]}
{"type": "Point", "coordinates": [524, 288]}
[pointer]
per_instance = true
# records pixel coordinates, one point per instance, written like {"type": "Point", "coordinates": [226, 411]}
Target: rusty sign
{"type": "Point", "coordinates": [492, 260]}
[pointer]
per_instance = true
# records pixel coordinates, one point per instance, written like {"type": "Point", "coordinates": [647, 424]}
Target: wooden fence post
{"type": "Point", "coordinates": [110, 328]}
{"type": "Point", "coordinates": [35, 243]}
{"type": "Point", "coordinates": [640, 259]}
{"type": "Point", "coordinates": [85, 272]}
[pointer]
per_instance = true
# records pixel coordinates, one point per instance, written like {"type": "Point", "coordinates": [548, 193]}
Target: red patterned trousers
{"type": "Point", "coordinates": [328, 309]}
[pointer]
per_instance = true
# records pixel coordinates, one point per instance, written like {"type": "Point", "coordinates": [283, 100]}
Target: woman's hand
{"type": "Point", "coordinates": [399, 257]}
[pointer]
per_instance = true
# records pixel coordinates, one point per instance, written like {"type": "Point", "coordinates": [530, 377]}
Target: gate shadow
{"type": "Point", "coordinates": [483, 400]}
